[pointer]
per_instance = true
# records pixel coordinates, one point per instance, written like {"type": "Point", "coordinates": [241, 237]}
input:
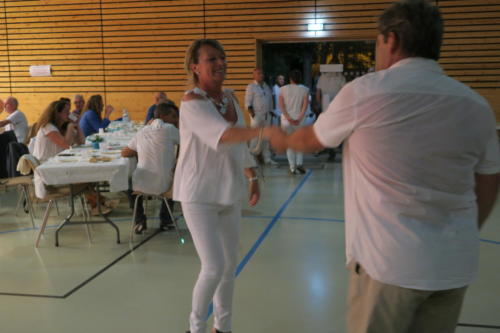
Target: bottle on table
{"type": "Point", "coordinates": [125, 117]}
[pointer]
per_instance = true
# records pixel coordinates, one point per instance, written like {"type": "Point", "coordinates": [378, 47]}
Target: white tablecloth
{"type": "Point", "coordinates": [63, 170]}
{"type": "Point", "coordinates": [118, 134]}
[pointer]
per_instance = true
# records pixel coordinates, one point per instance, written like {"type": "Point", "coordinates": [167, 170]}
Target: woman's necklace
{"type": "Point", "coordinates": [222, 105]}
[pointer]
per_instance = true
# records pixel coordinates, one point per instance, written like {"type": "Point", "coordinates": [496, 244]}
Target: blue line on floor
{"type": "Point", "coordinates": [489, 241]}
{"type": "Point", "coordinates": [338, 220]}
{"type": "Point", "coordinates": [125, 219]}
{"type": "Point", "coordinates": [266, 231]}
{"type": "Point", "coordinates": [312, 219]}
{"type": "Point", "coordinates": [296, 218]}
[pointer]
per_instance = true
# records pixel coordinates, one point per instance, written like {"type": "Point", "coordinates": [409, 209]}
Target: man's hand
{"type": "Point", "coordinates": [277, 138]}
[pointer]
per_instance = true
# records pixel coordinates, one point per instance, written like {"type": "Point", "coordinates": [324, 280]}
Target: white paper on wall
{"type": "Point", "coordinates": [41, 70]}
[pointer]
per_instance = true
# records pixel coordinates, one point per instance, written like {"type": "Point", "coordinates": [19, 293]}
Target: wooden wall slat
{"type": "Point", "coordinates": [4, 58]}
{"type": "Point", "coordinates": [128, 49]}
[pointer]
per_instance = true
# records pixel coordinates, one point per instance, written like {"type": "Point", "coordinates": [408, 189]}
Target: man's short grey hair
{"type": "Point", "coordinates": [78, 96]}
{"type": "Point", "coordinates": [14, 101]}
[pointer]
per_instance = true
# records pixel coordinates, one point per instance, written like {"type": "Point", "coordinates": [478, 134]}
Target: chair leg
{"type": "Point", "coordinates": [84, 211]}
{"type": "Point", "coordinates": [30, 204]}
{"type": "Point", "coordinates": [44, 222]}
{"type": "Point", "coordinates": [57, 208]}
{"type": "Point", "coordinates": [174, 220]}
{"type": "Point", "coordinates": [133, 217]}
{"type": "Point", "coordinates": [19, 202]}
{"type": "Point", "coordinates": [87, 207]}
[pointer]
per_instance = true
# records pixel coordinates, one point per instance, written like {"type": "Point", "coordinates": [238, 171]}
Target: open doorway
{"type": "Point", "coordinates": [357, 58]}
{"type": "Point", "coordinates": [279, 58]}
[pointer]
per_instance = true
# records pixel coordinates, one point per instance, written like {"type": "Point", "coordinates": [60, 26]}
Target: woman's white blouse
{"type": "Point", "coordinates": [208, 171]}
{"type": "Point", "coordinates": [45, 148]}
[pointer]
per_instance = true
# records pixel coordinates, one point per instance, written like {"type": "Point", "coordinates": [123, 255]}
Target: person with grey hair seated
{"type": "Point", "coordinates": [159, 97]}
{"type": "Point", "coordinates": [16, 120]}
{"type": "Point", "coordinates": [154, 147]}
{"type": "Point", "coordinates": [79, 103]}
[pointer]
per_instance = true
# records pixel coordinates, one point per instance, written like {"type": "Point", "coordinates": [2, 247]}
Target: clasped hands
{"type": "Point", "coordinates": [277, 138]}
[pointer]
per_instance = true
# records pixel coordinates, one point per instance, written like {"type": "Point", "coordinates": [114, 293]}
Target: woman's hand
{"type": "Point", "coordinates": [109, 109]}
{"type": "Point", "coordinates": [254, 192]}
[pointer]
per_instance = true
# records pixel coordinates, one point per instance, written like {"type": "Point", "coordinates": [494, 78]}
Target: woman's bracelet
{"type": "Point", "coordinates": [253, 179]}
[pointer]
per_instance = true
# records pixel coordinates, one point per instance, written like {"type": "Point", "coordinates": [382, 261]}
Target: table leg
{"type": "Point", "coordinates": [72, 205]}
{"type": "Point", "coordinates": [66, 220]}
{"type": "Point", "coordinates": [105, 217]}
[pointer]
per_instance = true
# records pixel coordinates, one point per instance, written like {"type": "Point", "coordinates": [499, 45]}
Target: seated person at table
{"type": "Point", "coordinates": [56, 133]}
{"type": "Point", "coordinates": [154, 147]}
{"type": "Point", "coordinates": [159, 97]}
{"type": "Point", "coordinates": [16, 120]}
{"type": "Point", "coordinates": [79, 103]}
{"type": "Point", "coordinates": [91, 120]}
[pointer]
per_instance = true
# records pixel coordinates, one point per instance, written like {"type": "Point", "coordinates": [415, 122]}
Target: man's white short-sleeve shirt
{"type": "Point", "coordinates": [19, 124]}
{"type": "Point", "coordinates": [155, 147]}
{"type": "Point", "coordinates": [413, 139]}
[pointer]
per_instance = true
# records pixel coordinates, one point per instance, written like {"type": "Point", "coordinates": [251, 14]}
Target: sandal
{"type": "Point", "coordinates": [140, 227]}
{"type": "Point", "coordinates": [95, 211]}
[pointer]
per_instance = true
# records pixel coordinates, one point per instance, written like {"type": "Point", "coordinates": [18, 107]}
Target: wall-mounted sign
{"type": "Point", "coordinates": [42, 70]}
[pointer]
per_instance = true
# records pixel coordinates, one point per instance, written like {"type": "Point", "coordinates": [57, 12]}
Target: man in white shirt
{"type": "Point", "coordinates": [280, 82]}
{"type": "Point", "coordinates": [329, 84]}
{"type": "Point", "coordinates": [154, 145]}
{"type": "Point", "coordinates": [259, 103]}
{"type": "Point", "coordinates": [16, 120]}
{"type": "Point", "coordinates": [421, 173]}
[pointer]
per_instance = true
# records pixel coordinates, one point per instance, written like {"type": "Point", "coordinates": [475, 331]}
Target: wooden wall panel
{"type": "Point", "coordinates": [129, 49]}
{"type": "Point", "coordinates": [4, 57]}
{"type": "Point", "coordinates": [471, 45]}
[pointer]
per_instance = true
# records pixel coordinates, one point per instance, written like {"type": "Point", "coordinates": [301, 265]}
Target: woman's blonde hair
{"type": "Point", "coordinates": [193, 54]}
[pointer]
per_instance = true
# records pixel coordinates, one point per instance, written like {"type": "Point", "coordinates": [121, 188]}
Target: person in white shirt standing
{"type": "Point", "coordinates": [210, 180]}
{"type": "Point", "coordinates": [155, 147]}
{"type": "Point", "coordinates": [16, 120]}
{"type": "Point", "coordinates": [421, 175]}
{"type": "Point", "coordinates": [280, 82]}
{"type": "Point", "coordinates": [259, 103]}
{"type": "Point", "coordinates": [294, 101]}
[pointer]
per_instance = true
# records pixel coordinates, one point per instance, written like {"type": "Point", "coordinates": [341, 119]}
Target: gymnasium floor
{"type": "Point", "coordinates": [291, 277]}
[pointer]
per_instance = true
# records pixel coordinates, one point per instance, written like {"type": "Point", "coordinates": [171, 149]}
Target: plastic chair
{"type": "Point", "coordinates": [164, 196]}
{"type": "Point", "coordinates": [27, 164]}
{"type": "Point", "coordinates": [23, 183]}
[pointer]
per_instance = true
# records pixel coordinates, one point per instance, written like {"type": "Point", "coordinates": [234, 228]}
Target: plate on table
{"type": "Point", "coordinates": [97, 159]}
{"type": "Point", "coordinates": [111, 152]}
{"type": "Point", "coordinates": [67, 159]}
